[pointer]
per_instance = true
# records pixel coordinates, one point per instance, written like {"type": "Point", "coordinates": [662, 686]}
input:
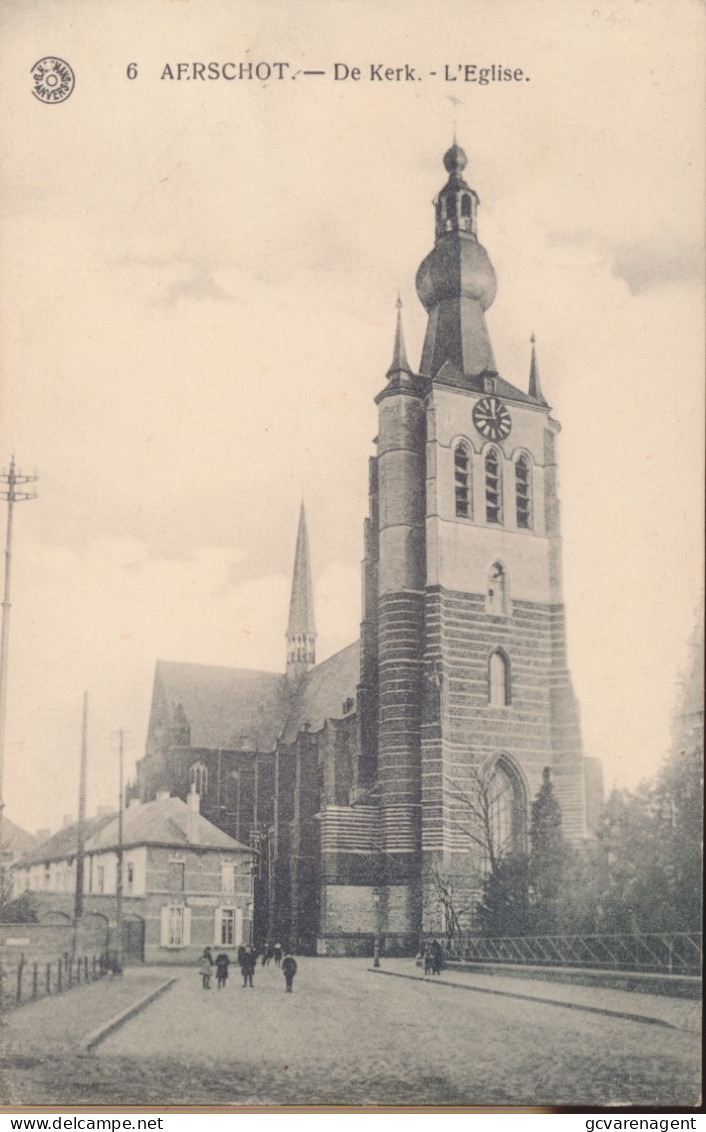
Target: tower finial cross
{"type": "Point", "coordinates": [454, 102]}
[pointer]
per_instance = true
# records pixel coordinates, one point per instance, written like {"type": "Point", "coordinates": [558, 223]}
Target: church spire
{"type": "Point", "coordinates": [301, 629]}
{"type": "Point", "coordinates": [535, 389]}
{"type": "Point", "coordinates": [399, 355]}
{"type": "Point", "coordinates": [456, 283]}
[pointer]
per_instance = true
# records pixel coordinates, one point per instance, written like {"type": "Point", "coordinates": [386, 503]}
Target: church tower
{"type": "Point", "coordinates": [463, 636]}
{"type": "Point", "coordinates": [301, 629]}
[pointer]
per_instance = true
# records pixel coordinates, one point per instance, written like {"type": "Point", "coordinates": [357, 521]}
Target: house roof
{"type": "Point", "coordinates": [65, 842]}
{"type": "Point", "coordinates": [322, 693]}
{"type": "Point", "coordinates": [228, 708]}
{"type": "Point", "coordinates": [16, 840]}
{"type": "Point", "coordinates": [163, 822]}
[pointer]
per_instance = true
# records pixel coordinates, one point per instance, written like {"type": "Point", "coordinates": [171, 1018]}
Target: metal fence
{"type": "Point", "coordinates": [674, 953]}
{"type": "Point", "coordinates": [24, 980]}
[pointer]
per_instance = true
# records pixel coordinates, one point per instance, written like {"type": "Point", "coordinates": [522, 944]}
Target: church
{"type": "Point", "coordinates": [395, 770]}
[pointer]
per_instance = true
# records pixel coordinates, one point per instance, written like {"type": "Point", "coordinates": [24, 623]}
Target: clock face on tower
{"type": "Point", "coordinates": [491, 418]}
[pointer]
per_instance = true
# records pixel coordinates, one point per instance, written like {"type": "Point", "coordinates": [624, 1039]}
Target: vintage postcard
{"type": "Point", "coordinates": [351, 672]}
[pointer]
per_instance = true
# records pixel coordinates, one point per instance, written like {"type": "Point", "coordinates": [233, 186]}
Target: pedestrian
{"type": "Point", "coordinates": [205, 964]}
{"type": "Point", "coordinates": [437, 957]}
{"type": "Point", "coordinates": [427, 958]}
{"type": "Point", "coordinates": [248, 966]}
{"type": "Point", "coordinates": [277, 952]}
{"type": "Point", "coordinates": [289, 970]}
{"type": "Point", "coordinates": [222, 965]}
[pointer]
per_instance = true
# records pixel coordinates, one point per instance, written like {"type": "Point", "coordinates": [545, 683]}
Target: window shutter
{"type": "Point", "coordinates": [239, 926]}
{"type": "Point", "coordinates": [186, 940]}
{"type": "Point", "coordinates": [164, 926]}
{"type": "Point", "coordinates": [217, 926]}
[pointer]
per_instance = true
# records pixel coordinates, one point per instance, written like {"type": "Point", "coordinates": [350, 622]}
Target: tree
{"type": "Point", "coordinates": [455, 903]}
{"type": "Point", "coordinates": [547, 858]}
{"type": "Point", "coordinates": [21, 910]}
{"type": "Point", "coordinates": [504, 909]}
{"type": "Point", "coordinates": [486, 817]}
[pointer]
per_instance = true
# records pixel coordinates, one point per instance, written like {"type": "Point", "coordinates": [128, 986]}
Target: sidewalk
{"type": "Point", "coordinates": [59, 1023]}
{"type": "Point", "coordinates": [681, 1014]}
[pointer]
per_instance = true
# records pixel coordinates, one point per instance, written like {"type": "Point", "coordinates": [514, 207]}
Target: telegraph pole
{"type": "Point", "coordinates": [119, 879]}
{"type": "Point", "coordinates": [81, 829]}
{"type": "Point", "coordinates": [8, 492]}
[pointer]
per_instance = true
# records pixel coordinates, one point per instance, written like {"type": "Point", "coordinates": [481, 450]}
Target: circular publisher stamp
{"type": "Point", "coordinates": [53, 79]}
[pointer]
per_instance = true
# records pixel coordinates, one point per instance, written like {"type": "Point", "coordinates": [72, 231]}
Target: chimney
{"type": "Point", "coordinates": [193, 803]}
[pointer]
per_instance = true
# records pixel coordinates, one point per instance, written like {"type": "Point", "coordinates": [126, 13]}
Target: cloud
{"type": "Point", "coordinates": [646, 268]}
{"type": "Point", "coordinates": [198, 286]}
{"type": "Point", "coordinates": [645, 265]}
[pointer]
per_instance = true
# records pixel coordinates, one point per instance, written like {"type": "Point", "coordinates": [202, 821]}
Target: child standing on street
{"type": "Point", "coordinates": [205, 964]}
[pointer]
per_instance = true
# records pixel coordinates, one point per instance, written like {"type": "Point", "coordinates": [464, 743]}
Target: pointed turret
{"type": "Point", "coordinates": [535, 389]}
{"type": "Point", "coordinates": [400, 376]}
{"type": "Point", "coordinates": [301, 630]}
{"type": "Point", "coordinates": [399, 355]}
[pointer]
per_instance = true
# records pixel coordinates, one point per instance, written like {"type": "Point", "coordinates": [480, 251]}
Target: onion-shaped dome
{"type": "Point", "coordinates": [456, 268]}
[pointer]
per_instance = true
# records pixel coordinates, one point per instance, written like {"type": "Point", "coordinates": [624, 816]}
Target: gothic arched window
{"type": "Point", "coordinates": [493, 488]}
{"type": "Point", "coordinates": [465, 205]}
{"type": "Point", "coordinates": [498, 679]}
{"type": "Point", "coordinates": [199, 779]}
{"type": "Point", "coordinates": [506, 806]}
{"type": "Point", "coordinates": [523, 492]}
{"type": "Point", "coordinates": [497, 590]}
{"type": "Point", "coordinates": [462, 478]}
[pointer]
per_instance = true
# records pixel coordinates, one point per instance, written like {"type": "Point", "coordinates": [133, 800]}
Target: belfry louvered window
{"type": "Point", "coordinates": [493, 488]}
{"type": "Point", "coordinates": [523, 494]}
{"type": "Point", "coordinates": [462, 478]}
{"type": "Point", "coordinates": [199, 779]}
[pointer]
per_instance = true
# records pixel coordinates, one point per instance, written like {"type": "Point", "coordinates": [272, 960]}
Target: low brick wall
{"type": "Point", "coordinates": [50, 939]}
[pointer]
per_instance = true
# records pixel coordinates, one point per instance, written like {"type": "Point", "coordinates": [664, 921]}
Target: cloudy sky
{"type": "Point", "coordinates": [198, 290]}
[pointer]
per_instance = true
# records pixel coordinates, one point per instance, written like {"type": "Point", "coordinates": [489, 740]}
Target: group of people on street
{"type": "Point", "coordinates": [246, 959]}
{"type": "Point", "coordinates": [433, 955]}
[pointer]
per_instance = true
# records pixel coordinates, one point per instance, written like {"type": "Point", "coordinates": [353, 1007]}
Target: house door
{"type": "Point", "coordinates": [133, 941]}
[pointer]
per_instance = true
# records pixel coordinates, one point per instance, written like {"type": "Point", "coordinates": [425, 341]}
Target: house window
{"type": "Point", "coordinates": [243, 878]}
{"type": "Point", "coordinates": [227, 878]}
{"type": "Point", "coordinates": [199, 779]}
{"type": "Point", "coordinates": [462, 477]}
{"type": "Point", "coordinates": [47, 876]}
{"type": "Point", "coordinates": [522, 493]}
{"type": "Point", "coordinates": [130, 877]}
{"type": "Point", "coordinates": [493, 488]}
{"type": "Point", "coordinates": [175, 926]}
{"type": "Point", "coordinates": [227, 933]}
{"type": "Point", "coordinates": [465, 205]}
{"type": "Point", "coordinates": [498, 679]}
{"type": "Point", "coordinates": [497, 590]}
{"type": "Point", "coordinates": [176, 876]}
